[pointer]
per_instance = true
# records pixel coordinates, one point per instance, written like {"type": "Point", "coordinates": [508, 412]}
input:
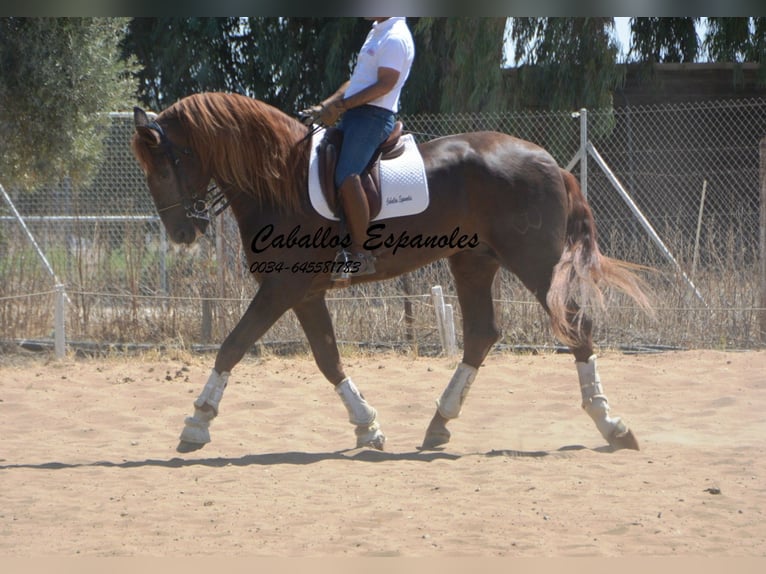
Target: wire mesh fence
{"type": "Point", "coordinates": [127, 285]}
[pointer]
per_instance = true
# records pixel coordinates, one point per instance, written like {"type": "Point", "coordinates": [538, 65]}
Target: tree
{"type": "Point", "coordinates": [734, 40]}
{"type": "Point", "coordinates": [664, 39]}
{"type": "Point", "coordinates": [458, 65]}
{"type": "Point", "coordinates": [58, 78]}
{"type": "Point", "coordinates": [287, 62]}
{"type": "Point", "coordinates": [180, 56]}
{"type": "Point", "coordinates": [565, 63]}
{"type": "Point", "coordinates": [292, 63]}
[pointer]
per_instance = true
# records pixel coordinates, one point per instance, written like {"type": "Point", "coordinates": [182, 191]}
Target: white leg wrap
{"type": "Point", "coordinates": [197, 427]}
{"type": "Point", "coordinates": [594, 401]}
{"type": "Point", "coordinates": [451, 401]}
{"type": "Point", "coordinates": [213, 391]}
{"type": "Point", "coordinates": [359, 411]}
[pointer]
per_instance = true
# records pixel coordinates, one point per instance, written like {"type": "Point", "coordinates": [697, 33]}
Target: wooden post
{"type": "Point", "coordinates": [206, 293]}
{"type": "Point", "coordinates": [762, 275]}
{"type": "Point", "coordinates": [409, 316]}
{"type": "Point", "coordinates": [59, 341]}
{"type": "Point", "coordinates": [437, 297]}
{"type": "Point", "coordinates": [695, 258]}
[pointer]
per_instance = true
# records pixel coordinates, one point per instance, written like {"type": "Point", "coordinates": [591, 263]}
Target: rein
{"type": "Point", "coordinates": [205, 207]}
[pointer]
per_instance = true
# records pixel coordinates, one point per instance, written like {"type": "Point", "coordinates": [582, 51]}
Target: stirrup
{"type": "Point", "coordinates": [352, 265]}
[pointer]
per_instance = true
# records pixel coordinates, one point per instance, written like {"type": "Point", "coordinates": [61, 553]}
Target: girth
{"type": "Point", "coordinates": [327, 153]}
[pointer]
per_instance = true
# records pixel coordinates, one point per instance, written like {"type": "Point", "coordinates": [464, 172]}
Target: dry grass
{"type": "Point", "coordinates": [116, 298]}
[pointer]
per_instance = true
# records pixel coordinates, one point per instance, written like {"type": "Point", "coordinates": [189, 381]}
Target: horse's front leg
{"type": "Point", "coordinates": [317, 324]}
{"type": "Point", "coordinates": [266, 307]}
{"type": "Point", "coordinates": [473, 280]}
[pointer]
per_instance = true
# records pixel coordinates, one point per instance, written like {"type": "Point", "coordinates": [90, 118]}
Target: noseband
{"type": "Point", "coordinates": [212, 203]}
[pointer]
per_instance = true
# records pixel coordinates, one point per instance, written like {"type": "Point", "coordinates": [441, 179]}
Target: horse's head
{"type": "Point", "coordinates": [176, 179]}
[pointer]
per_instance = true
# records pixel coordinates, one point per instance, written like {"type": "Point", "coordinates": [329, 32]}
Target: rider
{"type": "Point", "coordinates": [368, 102]}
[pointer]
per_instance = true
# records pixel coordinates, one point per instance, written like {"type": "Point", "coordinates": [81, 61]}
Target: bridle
{"type": "Point", "coordinates": [212, 202]}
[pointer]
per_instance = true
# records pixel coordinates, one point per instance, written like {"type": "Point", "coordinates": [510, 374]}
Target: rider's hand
{"type": "Point", "coordinates": [325, 114]}
{"type": "Point", "coordinates": [310, 115]}
{"type": "Point", "coordinates": [331, 112]}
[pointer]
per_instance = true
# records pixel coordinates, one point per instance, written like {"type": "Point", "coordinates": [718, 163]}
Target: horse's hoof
{"type": "Point", "coordinates": [435, 439]}
{"type": "Point", "coordinates": [376, 441]}
{"type": "Point", "coordinates": [185, 446]}
{"type": "Point", "coordinates": [370, 437]}
{"type": "Point", "coordinates": [625, 439]}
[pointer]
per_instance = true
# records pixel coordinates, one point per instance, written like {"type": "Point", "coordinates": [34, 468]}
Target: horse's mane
{"type": "Point", "coordinates": [245, 144]}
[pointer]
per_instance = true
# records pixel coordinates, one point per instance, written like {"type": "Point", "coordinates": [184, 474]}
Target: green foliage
{"type": "Point", "coordinates": [664, 39]}
{"type": "Point", "coordinates": [293, 63]}
{"type": "Point", "coordinates": [180, 56]}
{"type": "Point", "coordinates": [566, 63]}
{"type": "Point", "coordinates": [457, 67]}
{"type": "Point", "coordinates": [729, 39]}
{"type": "Point", "coordinates": [288, 62]}
{"type": "Point", "coordinates": [58, 78]}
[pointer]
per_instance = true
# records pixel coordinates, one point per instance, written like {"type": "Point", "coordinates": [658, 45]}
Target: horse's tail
{"type": "Point", "coordinates": [583, 271]}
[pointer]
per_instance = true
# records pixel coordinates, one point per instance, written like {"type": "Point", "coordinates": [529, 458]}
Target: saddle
{"type": "Point", "coordinates": [327, 153]}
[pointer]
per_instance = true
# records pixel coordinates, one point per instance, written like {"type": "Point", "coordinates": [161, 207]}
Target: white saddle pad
{"type": "Point", "coordinates": [404, 188]}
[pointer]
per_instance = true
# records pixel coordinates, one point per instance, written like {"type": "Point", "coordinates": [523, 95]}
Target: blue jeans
{"type": "Point", "coordinates": [364, 129]}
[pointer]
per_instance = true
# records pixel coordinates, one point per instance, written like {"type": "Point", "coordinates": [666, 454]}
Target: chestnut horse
{"type": "Point", "coordinates": [520, 210]}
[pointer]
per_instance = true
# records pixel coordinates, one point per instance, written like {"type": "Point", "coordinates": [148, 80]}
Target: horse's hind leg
{"type": "Point", "coordinates": [594, 401]}
{"type": "Point", "coordinates": [536, 275]}
{"type": "Point", "coordinates": [473, 279]}
{"type": "Point", "coordinates": [317, 324]}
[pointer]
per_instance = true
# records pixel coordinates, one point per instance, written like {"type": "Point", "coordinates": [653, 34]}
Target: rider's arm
{"type": "Point", "coordinates": [387, 78]}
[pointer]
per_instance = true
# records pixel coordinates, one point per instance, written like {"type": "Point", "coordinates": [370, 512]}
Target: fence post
{"type": "Point", "coordinates": [762, 279]}
{"type": "Point", "coordinates": [695, 258]}
{"type": "Point", "coordinates": [163, 258]}
{"type": "Point", "coordinates": [59, 322]}
{"type": "Point", "coordinates": [438, 300]}
{"type": "Point", "coordinates": [206, 295]}
{"type": "Point", "coordinates": [445, 323]}
{"type": "Point", "coordinates": [449, 331]}
{"type": "Point", "coordinates": [584, 152]}
{"type": "Point", "coordinates": [409, 317]}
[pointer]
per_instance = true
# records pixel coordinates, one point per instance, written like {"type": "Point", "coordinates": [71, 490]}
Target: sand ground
{"type": "Point", "coordinates": [88, 465]}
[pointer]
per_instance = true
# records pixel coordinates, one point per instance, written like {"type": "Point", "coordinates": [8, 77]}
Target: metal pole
{"type": "Point", "coordinates": [583, 152]}
{"type": "Point", "coordinates": [31, 238]}
{"type": "Point", "coordinates": [642, 219]}
{"type": "Point", "coordinates": [28, 233]}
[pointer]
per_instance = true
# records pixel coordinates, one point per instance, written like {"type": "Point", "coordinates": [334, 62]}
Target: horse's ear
{"type": "Point", "coordinates": [139, 117]}
{"type": "Point", "coordinates": [142, 121]}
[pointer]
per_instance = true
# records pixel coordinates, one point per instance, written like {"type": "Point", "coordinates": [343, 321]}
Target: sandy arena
{"type": "Point", "coordinates": [88, 463]}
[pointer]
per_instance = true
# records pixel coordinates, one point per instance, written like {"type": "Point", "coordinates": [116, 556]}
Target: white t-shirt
{"type": "Point", "coordinates": [388, 45]}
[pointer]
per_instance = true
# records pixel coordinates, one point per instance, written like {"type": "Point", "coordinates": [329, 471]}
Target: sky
{"type": "Point", "coordinates": [622, 30]}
